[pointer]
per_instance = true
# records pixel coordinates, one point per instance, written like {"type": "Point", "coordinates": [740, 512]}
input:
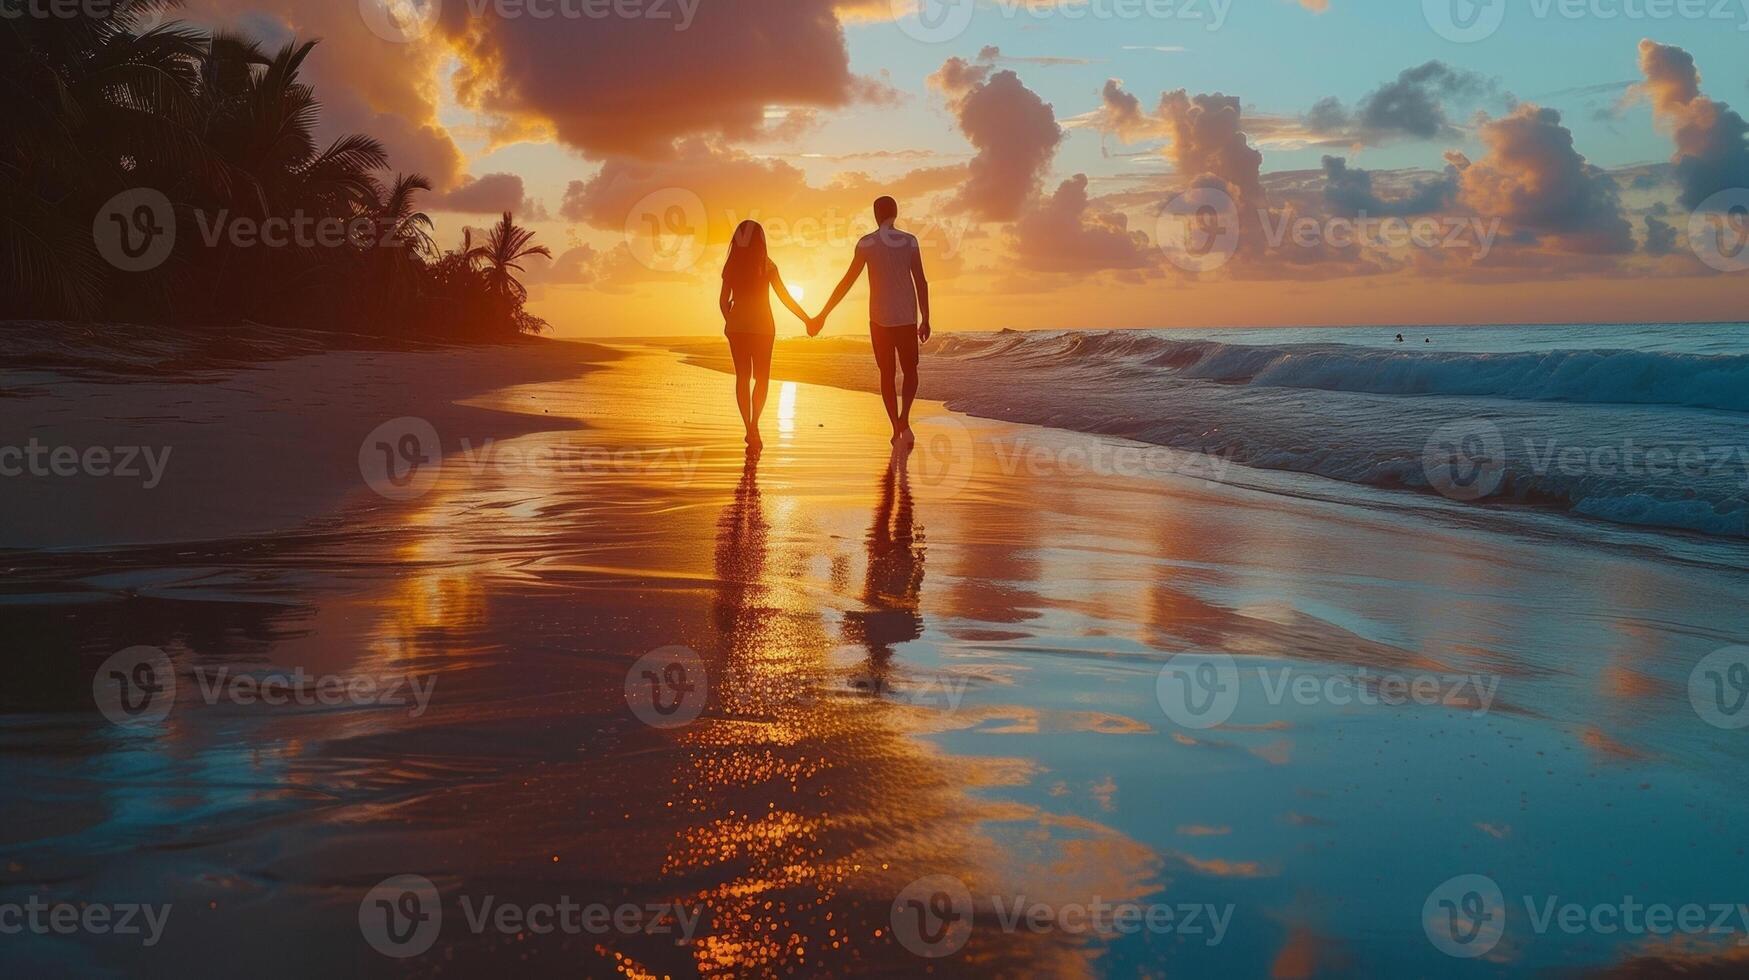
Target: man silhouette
{"type": "Point", "coordinates": [898, 308]}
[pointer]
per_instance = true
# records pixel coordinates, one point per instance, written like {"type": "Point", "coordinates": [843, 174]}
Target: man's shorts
{"type": "Point", "coordinates": [894, 342]}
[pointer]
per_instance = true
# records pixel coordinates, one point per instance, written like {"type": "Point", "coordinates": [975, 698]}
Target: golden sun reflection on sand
{"type": "Point", "coordinates": [441, 591]}
{"type": "Point", "coordinates": [786, 408]}
{"type": "Point", "coordinates": [802, 801]}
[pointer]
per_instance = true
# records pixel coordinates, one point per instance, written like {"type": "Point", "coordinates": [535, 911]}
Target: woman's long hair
{"type": "Point", "coordinates": [744, 270]}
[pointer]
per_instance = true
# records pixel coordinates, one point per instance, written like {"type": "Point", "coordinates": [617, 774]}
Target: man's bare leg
{"type": "Point", "coordinates": [909, 389]}
{"type": "Point", "coordinates": [905, 349]}
{"type": "Point", "coordinates": [890, 397]}
{"type": "Point", "coordinates": [888, 363]}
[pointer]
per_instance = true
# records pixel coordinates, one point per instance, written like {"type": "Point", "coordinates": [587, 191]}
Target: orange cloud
{"type": "Point", "coordinates": [1209, 140]}
{"type": "Point", "coordinates": [1536, 180]}
{"type": "Point", "coordinates": [1015, 133]}
{"type": "Point", "coordinates": [1060, 236]}
{"type": "Point", "coordinates": [633, 85]}
{"type": "Point", "coordinates": [491, 194]}
{"type": "Point", "coordinates": [1711, 152]}
{"type": "Point", "coordinates": [732, 185]}
{"type": "Point", "coordinates": [367, 84]}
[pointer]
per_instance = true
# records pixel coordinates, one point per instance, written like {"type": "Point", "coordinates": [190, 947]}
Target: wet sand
{"type": "Point", "coordinates": [912, 669]}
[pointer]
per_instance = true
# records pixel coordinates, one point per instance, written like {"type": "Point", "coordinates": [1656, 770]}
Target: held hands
{"type": "Point", "coordinates": [816, 324]}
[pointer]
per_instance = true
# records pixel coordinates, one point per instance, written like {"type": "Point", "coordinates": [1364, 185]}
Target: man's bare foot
{"type": "Point", "coordinates": [753, 440]}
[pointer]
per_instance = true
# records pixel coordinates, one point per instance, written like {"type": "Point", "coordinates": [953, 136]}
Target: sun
{"type": "Point", "coordinates": [795, 291]}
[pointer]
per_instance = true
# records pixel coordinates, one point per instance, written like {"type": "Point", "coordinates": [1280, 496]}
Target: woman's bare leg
{"type": "Point", "coordinates": [743, 399]}
{"type": "Point", "coordinates": [743, 358]}
{"type": "Point", "coordinates": [759, 360]}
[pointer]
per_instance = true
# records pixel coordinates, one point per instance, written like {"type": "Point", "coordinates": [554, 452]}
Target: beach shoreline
{"type": "Point", "coordinates": [207, 436]}
{"type": "Point", "coordinates": [1634, 433]}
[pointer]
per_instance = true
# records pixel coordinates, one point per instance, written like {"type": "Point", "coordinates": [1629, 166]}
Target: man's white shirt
{"type": "Point", "coordinates": [892, 298]}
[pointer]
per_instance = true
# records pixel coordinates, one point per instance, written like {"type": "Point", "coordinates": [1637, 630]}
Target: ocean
{"type": "Point", "coordinates": [1637, 425]}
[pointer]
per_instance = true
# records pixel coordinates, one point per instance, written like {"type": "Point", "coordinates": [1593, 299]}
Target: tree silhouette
{"type": "Point", "coordinates": [226, 131]}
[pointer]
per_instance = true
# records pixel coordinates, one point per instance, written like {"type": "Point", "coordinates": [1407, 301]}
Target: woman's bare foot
{"type": "Point", "coordinates": [753, 440]}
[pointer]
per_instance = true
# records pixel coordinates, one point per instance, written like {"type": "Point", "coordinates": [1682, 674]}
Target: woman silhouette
{"type": "Point", "coordinates": [749, 275]}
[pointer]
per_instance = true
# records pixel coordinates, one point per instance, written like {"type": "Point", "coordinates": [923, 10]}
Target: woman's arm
{"type": "Point", "coordinates": [723, 300]}
{"type": "Point", "coordinates": [784, 297]}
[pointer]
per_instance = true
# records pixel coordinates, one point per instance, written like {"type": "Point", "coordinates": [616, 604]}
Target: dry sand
{"type": "Point", "coordinates": [195, 445]}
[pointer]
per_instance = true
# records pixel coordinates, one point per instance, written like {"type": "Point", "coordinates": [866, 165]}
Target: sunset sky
{"type": "Point", "coordinates": [1034, 150]}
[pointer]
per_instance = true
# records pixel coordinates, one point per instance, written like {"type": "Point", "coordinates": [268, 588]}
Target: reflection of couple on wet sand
{"type": "Point", "coordinates": [898, 314]}
{"type": "Point", "coordinates": [891, 590]}
{"type": "Point", "coordinates": [894, 581]}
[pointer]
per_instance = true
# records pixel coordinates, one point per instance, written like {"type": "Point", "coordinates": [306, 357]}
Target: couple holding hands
{"type": "Point", "coordinates": [898, 314]}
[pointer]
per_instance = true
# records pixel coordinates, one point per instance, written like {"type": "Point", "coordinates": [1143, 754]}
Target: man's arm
{"type": "Point", "coordinates": [849, 280]}
{"type": "Point", "coordinates": [785, 298]}
{"type": "Point", "coordinates": [921, 282]}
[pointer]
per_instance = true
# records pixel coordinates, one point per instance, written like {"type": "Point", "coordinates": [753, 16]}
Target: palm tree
{"type": "Point", "coordinates": [260, 119]}
{"type": "Point", "coordinates": [395, 246]}
{"type": "Point", "coordinates": [99, 104]}
{"type": "Point", "coordinates": [94, 105]}
{"type": "Point", "coordinates": [497, 261]}
{"type": "Point", "coordinates": [506, 244]}
{"type": "Point", "coordinates": [393, 218]}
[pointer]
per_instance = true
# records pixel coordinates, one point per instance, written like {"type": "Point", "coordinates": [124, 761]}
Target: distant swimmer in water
{"type": "Point", "coordinates": [1399, 338]}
